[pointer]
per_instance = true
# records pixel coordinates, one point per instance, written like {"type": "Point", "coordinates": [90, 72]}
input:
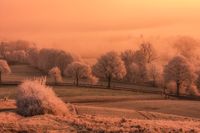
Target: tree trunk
{"type": "Point", "coordinates": [55, 81]}
{"type": "Point", "coordinates": [178, 88]}
{"type": "Point", "coordinates": [154, 80]}
{"type": "Point", "coordinates": [154, 83]}
{"type": "Point", "coordinates": [0, 77]}
{"type": "Point", "coordinates": [109, 81]}
{"type": "Point", "coordinates": [77, 81]}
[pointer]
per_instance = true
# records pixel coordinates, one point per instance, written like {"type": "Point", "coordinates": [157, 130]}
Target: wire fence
{"type": "Point", "coordinates": [115, 86]}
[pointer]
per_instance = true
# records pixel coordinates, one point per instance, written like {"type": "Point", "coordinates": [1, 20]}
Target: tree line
{"type": "Point", "coordinates": [179, 74]}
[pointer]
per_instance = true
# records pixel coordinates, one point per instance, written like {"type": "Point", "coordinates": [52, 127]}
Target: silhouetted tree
{"type": "Point", "coordinates": [148, 52]}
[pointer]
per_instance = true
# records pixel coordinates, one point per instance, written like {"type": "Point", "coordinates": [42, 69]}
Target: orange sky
{"type": "Point", "coordinates": [84, 25]}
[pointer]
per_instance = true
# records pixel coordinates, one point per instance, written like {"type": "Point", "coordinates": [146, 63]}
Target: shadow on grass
{"type": "Point", "coordinates": [8, 110]}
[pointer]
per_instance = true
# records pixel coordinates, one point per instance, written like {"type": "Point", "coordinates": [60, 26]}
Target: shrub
{"type": "Point", "coordinates": [56, 74]}
{"type": "Point", "coordinates": [35, 98]}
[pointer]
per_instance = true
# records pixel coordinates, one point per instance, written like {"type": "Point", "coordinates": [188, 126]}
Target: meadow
{"type": "Point", "coordinates": [95, 105]}
{"type": "Point", "coordinates": [106, 98]}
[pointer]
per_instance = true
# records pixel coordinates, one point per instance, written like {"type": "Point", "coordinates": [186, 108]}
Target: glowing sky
{"type": "Point", "coordinates": [75, 24]}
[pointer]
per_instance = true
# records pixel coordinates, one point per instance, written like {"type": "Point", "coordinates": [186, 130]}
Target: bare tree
{"type": "Point", "coordinates": [56, 74]}
{"type": "Point", "coordinates": [180, 71]}
{"type": "Point", "coordinates": [33, 56]}
{"type": "Point", "coordinates": [187, 46]}
{"type": "Point", "coordinates": [148, 51]}
{"type": "Point", "coordinates": [140, 61]}
{"type": "Point", "coordinates": [79, 70]}
{"type": "Point", "coordinates": [128, 58]}
{"type": "Point", "coordinates": [4, 68]}
{"type": "Point", "coordinates": [134, 72]}
{"type": "Point", "coordinates": [154, 73]}
{"type": "Point", "coordinates": [110, 66]}
{"type": "Point", "coordinates": [63, 59]}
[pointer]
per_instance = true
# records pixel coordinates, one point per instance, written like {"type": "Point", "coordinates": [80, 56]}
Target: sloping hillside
{"type": "Point", "coordinates": [11, 122]}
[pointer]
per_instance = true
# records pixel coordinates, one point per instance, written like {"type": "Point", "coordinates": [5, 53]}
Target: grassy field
{"type": "Point", "coordinates": [176, 107]}
{"type": "Point", "coordinates": [22, 72]}
{"type": "Point", "coordinates": [119, 99]}
{"type": "Point", "coordinates": [70, 91]}
{"type": "Point", "coordinates": [106, 98]}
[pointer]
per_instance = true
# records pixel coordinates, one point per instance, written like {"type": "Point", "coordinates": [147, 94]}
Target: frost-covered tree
{"type": "Point", "coordinates": [48, 58]}
{"type": "Point", "coordinates": [63, 59]}
{"type": "Point", "coordinates": [186, 46]}
{"type": "Point", "coordinates": [110, 66]}
{"type": "Point", "coordinates": [140, 61]}
{"type": "Point", "coordinates": [55, 73]}
{"type": "Point", "coordinates": [17, 56]}
{"type": "Point", "coordinates": [20, 45]}
{"type": "Point", "coordinates": [11, 46]}
{"type": "Point", "coordinates": [134, 73]}
{"type": "Point", "coordinates": [79, 70]}
{"type": "Point", "coordinates": [128, 58]}
{"type": "Point", "coordinates": [148, 52]}
{"type": "Point", "coordinates": [154, 73]}
{"type": "Point", "coordinates": [3, 49]}
{"type": "Point", "coordinates": [33, 56]}
{"type": "Point", "coordinates": [4, 68]}
{"type": "Point", "coordinates": [180, 71]}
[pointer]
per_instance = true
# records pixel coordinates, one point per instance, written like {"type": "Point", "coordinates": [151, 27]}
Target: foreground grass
{"type": "Point", "coordinates": [176, 107]}
{"type": "Point", "coordinates": [13, 123]}
{"type": "Point", "coordinates": [119, 99]}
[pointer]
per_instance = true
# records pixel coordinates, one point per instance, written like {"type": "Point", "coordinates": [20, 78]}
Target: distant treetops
{"type": "Point", "coordinates": [139, 66]}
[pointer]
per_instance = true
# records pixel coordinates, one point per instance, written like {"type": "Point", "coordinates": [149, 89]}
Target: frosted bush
{"type": "Point", "coordinates": [56, 74]}
{"type": "Point", "coordinates": [35, 98]}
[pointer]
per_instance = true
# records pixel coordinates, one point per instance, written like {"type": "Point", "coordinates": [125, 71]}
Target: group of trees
{"type": "Point", "coordinates": [80, 70]}
{"type": "Point", "coordinates": [181, 73]}
{"type": "Point", "coordinates": [56, 63]}
{"type": "Point", "coordinates": [140, 64]}
{"type": "Point", "coordinates": [15, 51]}
{"type": "Point", "coordinates": [135, 66]}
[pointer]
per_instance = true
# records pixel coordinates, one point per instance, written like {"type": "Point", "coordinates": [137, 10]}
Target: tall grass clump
{"type": "Point", "coordinates": [35, 98]}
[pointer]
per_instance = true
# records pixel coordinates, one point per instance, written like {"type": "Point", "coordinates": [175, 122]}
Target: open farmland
{"type": "Point", "coordinates": [101, 102]}
{"type": "Point", "coordinates": [118, 99]}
